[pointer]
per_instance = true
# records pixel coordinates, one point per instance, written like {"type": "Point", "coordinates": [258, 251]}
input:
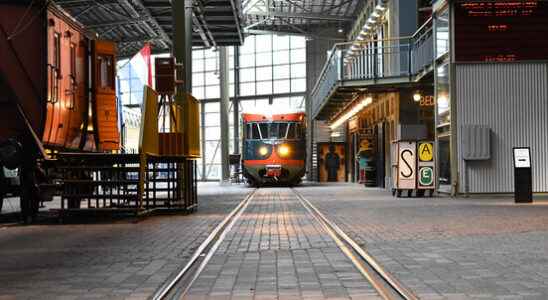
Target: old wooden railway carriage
{"type": "Point", "coordinates": [57, 91]}
{"type": "Point", "coordinates": [274, 148]}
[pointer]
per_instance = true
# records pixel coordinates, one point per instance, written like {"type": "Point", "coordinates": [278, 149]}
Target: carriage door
{"type": "Point", "coordinates": [105, 110]}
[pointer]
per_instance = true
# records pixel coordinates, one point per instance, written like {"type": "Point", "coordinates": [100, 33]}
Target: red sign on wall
{"type": "Point", "coordinates": [501, 31]}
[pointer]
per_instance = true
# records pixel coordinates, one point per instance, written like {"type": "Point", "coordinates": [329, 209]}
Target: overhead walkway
{"type": "Point", "coordinates": [379, 65]}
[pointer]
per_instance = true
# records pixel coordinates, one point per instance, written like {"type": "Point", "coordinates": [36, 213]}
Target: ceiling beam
{"type": "Point", "coordinates": [301, 16]}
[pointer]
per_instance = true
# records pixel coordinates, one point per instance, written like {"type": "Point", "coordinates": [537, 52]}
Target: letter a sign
{"type": "Point", "coordinates": [426, 151]}
{"type": "Point", "coordinates": [407, 165]}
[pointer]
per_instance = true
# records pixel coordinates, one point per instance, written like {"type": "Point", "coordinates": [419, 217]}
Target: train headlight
{"type": "Point", "coordinates": [263, 151]}
{"type": "Point", "coordinates": [283, 150]}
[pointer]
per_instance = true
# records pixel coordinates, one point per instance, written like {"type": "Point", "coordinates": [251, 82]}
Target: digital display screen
{"type": "Point", "coordinates": [501, 31]}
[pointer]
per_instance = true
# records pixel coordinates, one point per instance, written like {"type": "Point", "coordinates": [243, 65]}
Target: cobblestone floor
{"type": "Point", "coordinates": [277, 250]}
{"type": "Point", "coordinates": [106, 261]}
{"type": "Point", "coordinates": [445, 248]}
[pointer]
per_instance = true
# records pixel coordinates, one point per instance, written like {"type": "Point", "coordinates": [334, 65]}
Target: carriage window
{"type": "Point", "coordinates": [73, 59]}
{"type": "Point", "coordinates": [105, 71]}
{"type": "Point", "coordinates": [292, 131]}
{"type": "Point", "coordinates": [255, 132]}
{"type": "Point", "coordinates": [57, 53]}
{"type": "Point", "coordinates": [264, 130]}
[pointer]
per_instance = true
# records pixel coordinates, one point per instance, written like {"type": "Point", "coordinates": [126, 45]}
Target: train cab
{"type": "Point", "coordinates": [274, 148]}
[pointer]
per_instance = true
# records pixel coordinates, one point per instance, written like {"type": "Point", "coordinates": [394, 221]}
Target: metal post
{"type": "Point", "coordinates": [182, 49]}
{"type": "Point", "coordinates": [225, 99]}
{"type": "Point", "coordinates": [236, 100]}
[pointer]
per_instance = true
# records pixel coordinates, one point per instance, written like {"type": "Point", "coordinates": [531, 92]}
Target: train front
{"type": "Point", "coordinates": [274, 148]}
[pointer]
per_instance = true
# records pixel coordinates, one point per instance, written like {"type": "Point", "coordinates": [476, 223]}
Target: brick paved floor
{"type": "Point", "coordinates": [278, 251]}
{"type": "Point", "coordinates": [445, 248]}
{"type": "Point", "coordinates": [106, 261]}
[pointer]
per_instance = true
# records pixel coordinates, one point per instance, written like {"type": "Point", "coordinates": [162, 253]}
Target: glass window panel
{"type": "Point", "coordinates": [210, 53]}
{"type": "Point", "coordinates": [247, 75]}
{"type": "Point", "coordinates": [231, 51]}
{"type": "Point", "coordinates": [263, 127]}
{"type": "Point", "coordinates": [212, 107]}
{"type": "Point", "coordinates": [282, 86]}
{"type": "Point", "coordinates": [213, 119]}
{"type": "Point", "coordinates": [211, 78]}
{"type": "Point", "coordinates": [264, 87]}
{"type": "Point", "coordinates": [197, 65]}
{"type": "Point", "coordinates": [247, 89]}
{"type": "Point", "coordinates": [264, 59]}
{"type": "Point", "coordinates": [264, 42]}
{"type": "Point", "coordinates": [231, 90]}
{"type": "Point", "coordinates": [197, 54]}
{"type": "Point", "coordinates": [280, 42]}
{"type": "Point", "coordinates": [198, 79]}
{"type": "Point", "coordinates": [298, 70]}
{"type": "Point", "coordinates": [297, 102]}
{"type": "Point", "coordinates": [231, 76]}
{"type": "Point", "coordinates": [213, 92]}
{"type": "Point", "coordinates": [210, 64]}
{"type": "Point", "coordinates": [298, 55]}
{"type": "Point", "coordinates": [213, 133]}
{"type": "Point", "coordinates": [281, 72]}
{"type": "Point", "coordinates": [281, 102]}
{"type": "Point", "coordinates": [255, 132]}
{"type": "Point", "coordinates": [264, 73]}
{"type": "Point", "coordinates": [298, 42]}
{"type": "Point", "coordinates": [198, 92]}
{"type": "Point", "coordinates": [247, 60]}
{"type": "Point", "coordinates": [262, 105]}
{"type": "Point", "coordinates": [298, 85]}
{"type": "Point", "coordinates": [281, 57]}
{"type": "Point", "coordinates": [248, 46]}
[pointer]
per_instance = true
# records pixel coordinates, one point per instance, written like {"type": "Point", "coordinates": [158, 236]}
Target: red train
{"type": "Point", "coordinates": [274, 148]}
{"type": "Point", "coordinates": [57, 91]}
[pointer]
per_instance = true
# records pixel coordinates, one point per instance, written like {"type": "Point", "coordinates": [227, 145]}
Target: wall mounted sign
{"type": "Point", "coordinates": [501, 31]}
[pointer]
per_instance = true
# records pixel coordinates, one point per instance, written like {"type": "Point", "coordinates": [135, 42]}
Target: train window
{"type": "Point", "coordinates": [57, 53]}
{"type": "Point", "coordinates": [264, 130]}
{"type": "Point", "coordinates": [73, 60]}
{"type": "Point", "coordinates": [278, 130]}
{"type": "Point", "coordinates": [105, 71]}
{"type": "Point", "coordinates": [256, 135]}
{"type": "Point", "coordinates": [292, 131]}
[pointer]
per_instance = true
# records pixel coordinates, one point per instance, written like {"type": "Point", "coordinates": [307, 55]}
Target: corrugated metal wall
{"type": "Point", "coordinates": [512, 99]}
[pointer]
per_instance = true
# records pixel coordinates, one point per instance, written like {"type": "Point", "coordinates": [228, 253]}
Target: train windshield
{"type": "Point", "coordinates": [275, 130]}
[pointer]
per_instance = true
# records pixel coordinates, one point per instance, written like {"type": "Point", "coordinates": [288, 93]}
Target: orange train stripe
{"type": "Point", "coordinates": [287, 162]}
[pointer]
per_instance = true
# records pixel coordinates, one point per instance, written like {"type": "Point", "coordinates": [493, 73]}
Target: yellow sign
{"type": "Point", "coordinates": [426, 152]}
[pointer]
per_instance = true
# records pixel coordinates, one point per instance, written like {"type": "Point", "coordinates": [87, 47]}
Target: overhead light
{"type": "Point", "coordinates": [349, 114]}
{"type": "Point", "coordinates": [341, 30]}
{"type": "Point", "coordinates": [417, 96]}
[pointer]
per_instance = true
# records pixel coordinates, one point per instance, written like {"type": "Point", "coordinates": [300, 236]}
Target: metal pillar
{"type": "Point", "coordinates": [182, 45]}
{"type": "Point", "coordinates": [236, 100]}
{"type": "Point", "coordinates": [225, 101]}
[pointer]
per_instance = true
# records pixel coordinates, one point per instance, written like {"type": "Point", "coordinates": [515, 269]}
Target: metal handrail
{"type": "Point", "coordinates": [406, 54]}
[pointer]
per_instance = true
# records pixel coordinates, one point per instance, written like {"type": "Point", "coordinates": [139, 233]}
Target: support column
{"type": "Point", "coordinates": [182, 47]}
{"type": "Point", "coordinates": [236, 100]}
{"type": "Point", "coordinates": [225, 100]}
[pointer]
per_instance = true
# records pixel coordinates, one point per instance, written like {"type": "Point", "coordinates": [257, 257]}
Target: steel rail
{"type": "Point", "coordinates": [215, 238]}
{"type": "Point", "coordinates": [340, 236]}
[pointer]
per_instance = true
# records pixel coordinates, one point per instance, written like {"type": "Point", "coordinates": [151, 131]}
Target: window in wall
{"type": "Point", "coordinates": [442, 32]}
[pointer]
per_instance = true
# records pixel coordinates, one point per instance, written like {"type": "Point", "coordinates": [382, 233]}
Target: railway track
{"type": "Point", "coordinates": [387, 286]}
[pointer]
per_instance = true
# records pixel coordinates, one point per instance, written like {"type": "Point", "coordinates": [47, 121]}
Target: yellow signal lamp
{"type": "Point", "coordinates": [263, 151]}
{"type": "Point", "coordinates": [283, 150]}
